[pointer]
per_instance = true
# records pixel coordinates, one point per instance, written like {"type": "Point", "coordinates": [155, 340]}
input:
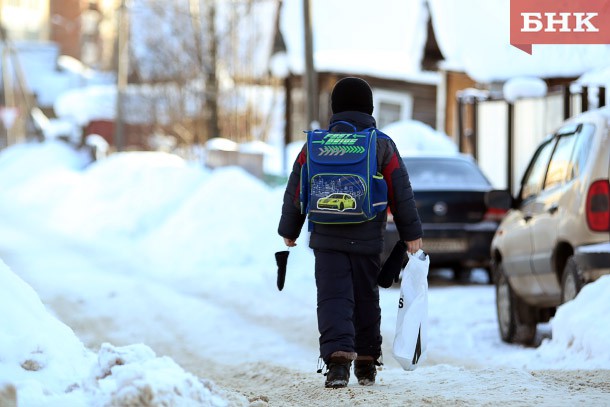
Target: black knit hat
{"type": "Point", "coordinates": [352, 94]}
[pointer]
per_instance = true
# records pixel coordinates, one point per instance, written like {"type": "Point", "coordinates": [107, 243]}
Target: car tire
{"type": "Point", "coordinates": [341, 206]}
{"type": "Point", "coordinates": [516, 320]}
{"type": "Point", "coordinates": [571, 281]}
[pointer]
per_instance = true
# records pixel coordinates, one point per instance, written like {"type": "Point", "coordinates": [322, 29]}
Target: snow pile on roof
{"type": "Point", "coordinates": [221, 144]}
{"type": "Point", "coordinates": [385, 39]}
{"type": "Point", "coordinates": [523, 87]}
{"type": "Point", "coordinates": [596, 77]}
{"type": "Point", "coordinates": [39, 62]}
{"type": "Point", "coordinates": [85, 104]}
{"type": "Point", "coordinates": [141, 104]}
{"type": "Point", "coordinates": [474, 36]}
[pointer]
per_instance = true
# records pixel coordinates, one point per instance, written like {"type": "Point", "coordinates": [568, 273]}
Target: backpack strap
{"type": "Point", "coordinates": [380, 134]}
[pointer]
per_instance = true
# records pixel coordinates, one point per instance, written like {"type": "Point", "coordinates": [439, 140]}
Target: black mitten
{"type": "Point", "coordinates": [281, 258]}
{"type": "Point", "coordinates": [392, 266]}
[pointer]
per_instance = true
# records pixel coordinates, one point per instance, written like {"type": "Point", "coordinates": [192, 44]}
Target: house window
{"type": "Point", "coordinates": [391, 106]}
{"type": "Point", "coordinates": [389, 113]}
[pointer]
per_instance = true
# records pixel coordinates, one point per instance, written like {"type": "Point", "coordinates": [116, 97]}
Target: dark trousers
{"type": "Point", "coordinates": [349, 316]}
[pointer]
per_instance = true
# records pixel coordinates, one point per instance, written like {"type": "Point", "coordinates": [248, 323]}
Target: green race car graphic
{"type": "Point", "coordinates": [339, 202]}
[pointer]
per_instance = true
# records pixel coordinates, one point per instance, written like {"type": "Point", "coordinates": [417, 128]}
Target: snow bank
{"type": "Point", "coordinates": [147, 186]}
{"type": "Point", "coordinates": [580, 328]}
{"type": "Point", "coordinates": [37, 352]}
{"type": "Point", "coordinates": [133, 375]}
{"type": "Point", "coordinates": [48, 365]}
{"type": "Point", "coordinates": [232, 212]}
{"type": "Point", "coordinates": [27, 161]}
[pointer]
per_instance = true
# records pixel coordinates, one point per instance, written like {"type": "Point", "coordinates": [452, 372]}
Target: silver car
{"type": "Point", "coordinates": [556, 236]}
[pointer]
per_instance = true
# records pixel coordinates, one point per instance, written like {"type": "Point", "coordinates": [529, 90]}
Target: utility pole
{"type": "Point", "coordinates": [7, 81]}
{"type": "Point", "coordinates": [122, 74]}
{"type": "Point", "coordinates": [211, 83]}
{"type": "Point", "coordinates": [311, 85]}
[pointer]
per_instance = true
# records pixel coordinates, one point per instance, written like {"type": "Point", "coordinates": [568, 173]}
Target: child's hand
{"type": "Point", "coordinates": [414, 245]}
{"type": "Point", "coordinates": [290, 242]}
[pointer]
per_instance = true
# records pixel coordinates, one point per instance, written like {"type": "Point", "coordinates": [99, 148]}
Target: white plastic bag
{"type": "Point", "coordinates": [411, 338]}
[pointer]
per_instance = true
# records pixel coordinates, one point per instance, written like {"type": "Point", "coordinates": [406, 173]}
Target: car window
{"type": "Point", "coordinates": [534, 177]}
{"type": "Point", "coordinates": [560, 164]}
{"type": "Point", "coordinates": [581, 150]}
{"type": "Point", "coordinates": [445, 173]}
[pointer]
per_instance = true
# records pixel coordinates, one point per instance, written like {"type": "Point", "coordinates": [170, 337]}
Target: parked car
{"type": "Point", "coordinates": [450, 197]}
{"type": "Point", "coordinates": [555, 237]}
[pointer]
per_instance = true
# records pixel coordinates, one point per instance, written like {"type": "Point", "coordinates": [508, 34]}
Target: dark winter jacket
{"type": "Point", "coordinates": [367, 237]}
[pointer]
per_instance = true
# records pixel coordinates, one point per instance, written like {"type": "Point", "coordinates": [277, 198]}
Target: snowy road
{"type": "Point", "coordinates": [145, 249]}
{"type": "Point", "coordinates": [271, 360]}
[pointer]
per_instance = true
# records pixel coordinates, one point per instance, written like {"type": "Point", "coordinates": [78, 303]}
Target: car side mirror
{"type": "Point", "coordinates": [500, 199]}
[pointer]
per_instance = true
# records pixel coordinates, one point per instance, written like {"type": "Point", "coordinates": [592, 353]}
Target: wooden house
{"type": "Point", "coordinates": [395, 52]}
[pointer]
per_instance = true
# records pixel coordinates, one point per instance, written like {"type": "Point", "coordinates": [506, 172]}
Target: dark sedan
{"type": "Point", "coordinates": [450, 197]}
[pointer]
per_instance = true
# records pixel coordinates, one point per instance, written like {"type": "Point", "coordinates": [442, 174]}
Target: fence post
{"type": "Point", "coordinates": [509, 147]}
{"type": "Point", "coordinates": [567, 102]}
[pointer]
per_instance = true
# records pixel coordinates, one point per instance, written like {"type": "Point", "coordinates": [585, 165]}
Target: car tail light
{"type": "Point", "coordinates": [494, 214]}
{"type": "Point", "coordinates": [598, 206]}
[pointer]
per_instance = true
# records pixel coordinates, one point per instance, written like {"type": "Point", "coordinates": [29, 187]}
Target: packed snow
{"type": "Point", "coordinates": [523, 87]}
{"type": "Point", "coordinates": [154, 252]}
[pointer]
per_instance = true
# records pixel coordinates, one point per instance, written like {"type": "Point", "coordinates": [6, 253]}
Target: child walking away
{"type": "Point", "coordinates": [341, 183]}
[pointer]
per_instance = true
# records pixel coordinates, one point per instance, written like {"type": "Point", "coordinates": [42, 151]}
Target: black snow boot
{"type": "Point", "coordinates": [338, 367]}
{"type": "Point", "coordinates": [365, 369]}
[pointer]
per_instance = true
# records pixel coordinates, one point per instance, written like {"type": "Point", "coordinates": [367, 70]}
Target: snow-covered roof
{"type": "Point", "coordinates": [384, 39]}
{"type": "Point", "coordinates": [142, 104]}
{"type": "Point", "coordinates": [474, 37]}
{"type": "Point", "coordinates": [47, 78]}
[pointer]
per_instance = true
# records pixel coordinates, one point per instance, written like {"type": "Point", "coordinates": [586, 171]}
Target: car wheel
{"type": "Point", "coordinates": [571, 281]}
{"type": "Point", "coordinates": [341, 206]}
{"type": "Point", "coordinates": [516, 319]}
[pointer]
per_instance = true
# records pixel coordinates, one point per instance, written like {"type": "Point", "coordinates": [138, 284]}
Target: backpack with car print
{"type": "Point", "coordinates": [339, 181]}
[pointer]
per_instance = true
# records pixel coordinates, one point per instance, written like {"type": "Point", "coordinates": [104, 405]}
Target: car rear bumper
{"type": "Point", "coordinates": [451, 245]}
{"type": "Point", "coordinates": [593, 260]}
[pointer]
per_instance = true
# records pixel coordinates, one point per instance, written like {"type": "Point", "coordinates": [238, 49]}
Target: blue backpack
{"type": "Point", "coordinates": [339, 181]}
